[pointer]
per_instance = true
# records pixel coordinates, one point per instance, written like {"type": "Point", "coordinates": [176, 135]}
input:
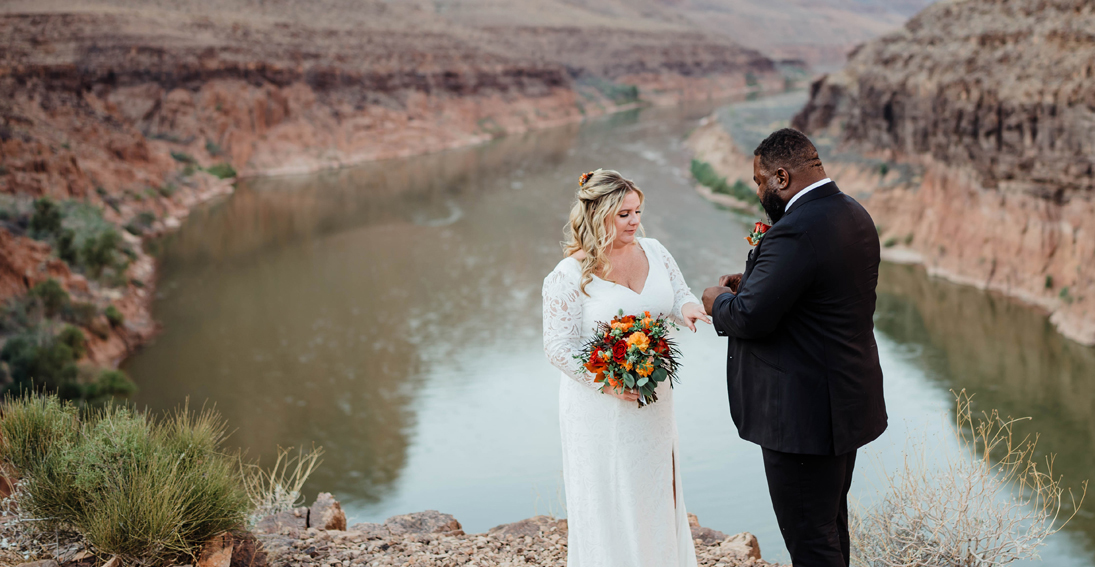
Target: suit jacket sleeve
{"type": "Point", "coordinates": [785, 266]}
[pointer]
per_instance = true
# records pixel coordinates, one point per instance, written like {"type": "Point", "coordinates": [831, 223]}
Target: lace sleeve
{"type": "Point", "coordinates": [563, 323]}
{"type": "Point", "coordinates": [682, 295]}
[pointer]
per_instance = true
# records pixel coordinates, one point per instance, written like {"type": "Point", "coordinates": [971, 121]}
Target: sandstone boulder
{"type": "Point", "coordinates": [428, 522]}
{"type": "Point", "coordinates": [326, 513]}
{"type": "Point", "coordinates": [741, 546]}
{"type": "Point", "coordinates": [217, 552]}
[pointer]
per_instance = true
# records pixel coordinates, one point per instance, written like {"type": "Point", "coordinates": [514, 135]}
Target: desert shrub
{"type": "Point", "coordinates": [992, 504]}
{"type": "Point", "coordinates": [114, 316]}
{"type": "Point", "coordinates": [222, 170]}
{"type": "Point", "coordinates": [109, 384]}
{"type": "Point", "coordinates": [707, 176]}
{"type": "Point", "coordinates": [52, 296]}
{"type": "Point", "coordinates": [38, 360]}
{"type": "Point", "coordinates": [140, 223]}
{"type": "Point", "coordinates": [890, 242]}
{"type": "Point", "coordinates": [167, 189]}
{"type": "Point", "coordinates": [74, 339]}
{"type": "Point", "coordinates": [143, 489]}
{"type": "Point", "coordinates": [80, 313]}
{"type": "Point", "coordinates": [616, 92]}
{"type": "Point", "coordinates": [98, 252]}
{"type": "Point", "coordinates": [46, 220]}
{"type": "Point", "coordinates": [212, 147]}
{"type": "Point", "coordinates": [182, 157]}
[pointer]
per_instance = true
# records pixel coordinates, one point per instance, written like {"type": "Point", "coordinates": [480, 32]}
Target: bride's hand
{"type": "Point", "coordinates": [625, 394]}
{"type": "Point", "coordinates": [693, 312]}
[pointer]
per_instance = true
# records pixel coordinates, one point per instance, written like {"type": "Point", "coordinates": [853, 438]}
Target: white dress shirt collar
{"type": "Point", "coordinates": [805, 191]}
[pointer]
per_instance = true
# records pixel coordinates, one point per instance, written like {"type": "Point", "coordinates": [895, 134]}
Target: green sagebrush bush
{"type": "Point", "coordinates": [41, 361]}
{"type": "Point", "coordinates": [143, 489]}
{"type": "Point", "coordinates": [707, 176]}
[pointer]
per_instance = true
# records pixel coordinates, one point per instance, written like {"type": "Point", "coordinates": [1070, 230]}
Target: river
{"type": "Point", "coordinates": [390, 313]}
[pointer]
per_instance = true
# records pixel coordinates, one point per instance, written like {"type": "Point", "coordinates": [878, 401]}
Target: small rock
{"type": "Point", "coordinates": [217, 552]}
{"type": "Point", "coordinates": [326, 513]}
{"type": "Point", "coordinates": [430, 521]}
{"type": "Point", "coordinates": [43, 563]}
{"type": "Point", "coordinates": [113, 562]}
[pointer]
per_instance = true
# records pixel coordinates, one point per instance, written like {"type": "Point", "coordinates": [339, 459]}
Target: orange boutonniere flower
{"type": "Point", "coordinates": [758, 232]}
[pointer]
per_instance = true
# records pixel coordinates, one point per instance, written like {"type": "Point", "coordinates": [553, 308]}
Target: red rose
{"type": "Point", "coordinates": [661, 347]}
{"type": "Point", "coordinates": [761, 228]}
{"type": "Point", "coordinates": [619, 351]}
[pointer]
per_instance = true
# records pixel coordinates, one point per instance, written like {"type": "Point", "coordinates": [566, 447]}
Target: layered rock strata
{"type": "Point", "coordinates": [124, 105]}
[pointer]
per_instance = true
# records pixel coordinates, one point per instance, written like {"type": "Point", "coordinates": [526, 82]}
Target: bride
{"type": "Point", "coordinates": [621, 468]}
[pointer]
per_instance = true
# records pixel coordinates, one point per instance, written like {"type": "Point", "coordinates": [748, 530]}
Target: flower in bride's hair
{"type": "Point", "coordinates": [639, 339]}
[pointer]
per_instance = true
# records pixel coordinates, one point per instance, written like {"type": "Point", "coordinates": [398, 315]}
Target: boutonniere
{"type": "Point", "coordinates": [758, 232]}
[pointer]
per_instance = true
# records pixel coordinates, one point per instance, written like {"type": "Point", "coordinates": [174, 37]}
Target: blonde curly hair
{"type": "Point", "coordinates": [599, 197]}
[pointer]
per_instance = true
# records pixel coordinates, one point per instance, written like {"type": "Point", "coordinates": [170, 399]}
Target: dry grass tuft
{"type": "Point", "coordinates": [992, 504]}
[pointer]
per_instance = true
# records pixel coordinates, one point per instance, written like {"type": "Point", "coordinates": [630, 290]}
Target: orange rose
{"type": "Point", "coordinates": [639, 339]}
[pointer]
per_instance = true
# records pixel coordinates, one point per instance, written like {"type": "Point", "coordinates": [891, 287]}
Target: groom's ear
{"type": "Point", "coordinates": [783, 179]}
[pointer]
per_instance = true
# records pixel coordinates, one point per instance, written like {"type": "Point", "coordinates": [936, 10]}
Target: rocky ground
{"type": "Point", "coordinates": [318, 536]}
{"type": "Point", "coordinates": [435, 539]}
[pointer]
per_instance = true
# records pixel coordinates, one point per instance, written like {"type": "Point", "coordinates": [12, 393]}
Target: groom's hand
{"type": "Point", "coordinates": [731, 281]}
{"type": "Point", "coordinates": [709, 296]}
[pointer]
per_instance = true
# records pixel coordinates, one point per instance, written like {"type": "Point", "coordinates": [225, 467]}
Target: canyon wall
{"type": "Point", "coordinates": [970, 137]}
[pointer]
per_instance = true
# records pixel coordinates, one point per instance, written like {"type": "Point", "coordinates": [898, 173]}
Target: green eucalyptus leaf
{"type": "Point", "coordinates": [642, 381]}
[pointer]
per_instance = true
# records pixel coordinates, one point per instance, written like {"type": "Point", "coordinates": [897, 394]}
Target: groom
{"type": "Point", "coordinates": [802, 368]}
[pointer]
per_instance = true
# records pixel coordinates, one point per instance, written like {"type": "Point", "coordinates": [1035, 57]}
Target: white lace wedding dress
{"type": "Point", "coordinates": [619, 461]}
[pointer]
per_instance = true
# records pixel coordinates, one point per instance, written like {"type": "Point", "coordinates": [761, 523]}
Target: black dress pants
{"type": "Point", "coordinates": [810, 497]}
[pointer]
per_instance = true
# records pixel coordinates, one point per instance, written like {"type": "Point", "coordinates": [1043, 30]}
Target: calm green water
{"type": "Point", "coordinates": [391, 314]}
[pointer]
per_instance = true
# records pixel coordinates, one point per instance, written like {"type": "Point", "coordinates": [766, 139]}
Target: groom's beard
{"type": "Point", "coordinates": [772, 205]}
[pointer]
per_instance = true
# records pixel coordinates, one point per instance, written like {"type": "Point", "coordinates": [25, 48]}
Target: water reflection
{"type": "Point", "coordinates": [1006, 353]}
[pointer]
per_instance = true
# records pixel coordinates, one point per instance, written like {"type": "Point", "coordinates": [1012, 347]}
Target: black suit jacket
{"type": "Point", "coordinates": [802, 368]}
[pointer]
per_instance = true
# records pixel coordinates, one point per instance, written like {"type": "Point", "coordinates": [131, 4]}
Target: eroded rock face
{"type": "Point", "coordinates": [992, 104]}
{"type": "Point", "coordinates": [1006, 89]}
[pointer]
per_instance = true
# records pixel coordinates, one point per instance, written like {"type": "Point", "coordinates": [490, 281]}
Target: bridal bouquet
{"type": "Point", "coordinates": [632, 352]}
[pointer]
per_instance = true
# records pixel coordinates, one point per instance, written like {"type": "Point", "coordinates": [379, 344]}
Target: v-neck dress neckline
{"type": "Point", "coordinates": [646, 281]}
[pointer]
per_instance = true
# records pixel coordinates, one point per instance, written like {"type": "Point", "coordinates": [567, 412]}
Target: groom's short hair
{"type": "Point", "coordinates": [787, 148]}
